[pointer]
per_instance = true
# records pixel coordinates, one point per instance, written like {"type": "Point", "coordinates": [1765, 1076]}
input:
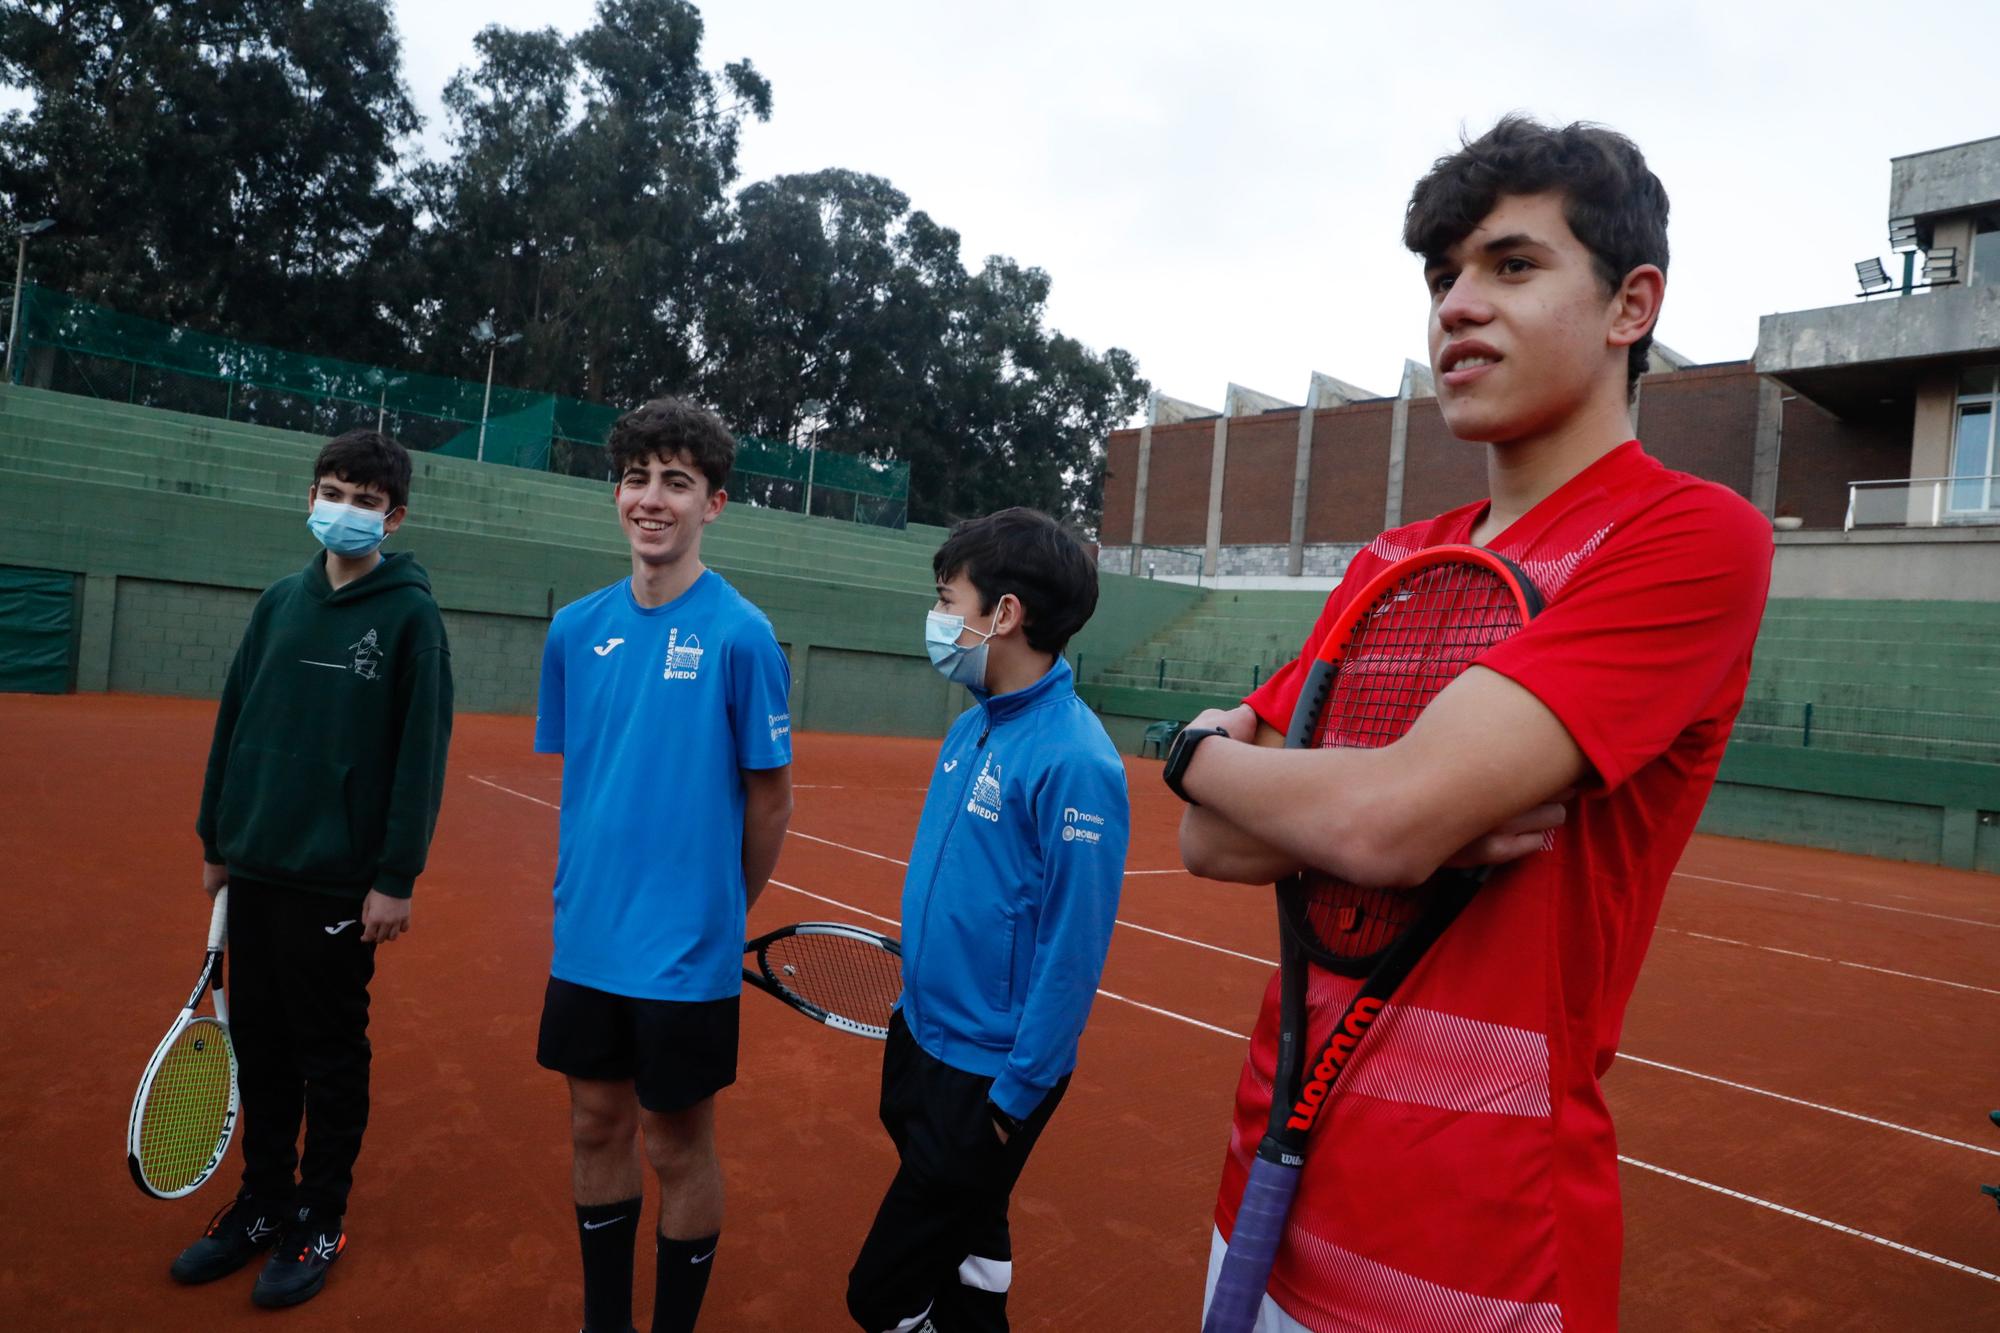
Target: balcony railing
{"type": "Point", "coordinates": [1922, 502]}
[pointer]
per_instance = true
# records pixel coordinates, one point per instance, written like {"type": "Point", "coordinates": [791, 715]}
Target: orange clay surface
{"type": "Point", "coordinates": [1817, 1034]}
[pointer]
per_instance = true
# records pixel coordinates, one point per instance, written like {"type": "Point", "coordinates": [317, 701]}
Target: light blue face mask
{"type": "Point", "coordinates": [960, 665]}
{"type": "Point", "coordinates": [344, 529]}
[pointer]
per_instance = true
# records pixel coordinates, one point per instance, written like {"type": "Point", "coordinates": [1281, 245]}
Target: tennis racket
{"type": "Point", "coordinates": [1407, 634]}
{"type": "Point", "coordinates": [843, 976]}
{"type": "Point", "coordinates": [185, 1110]}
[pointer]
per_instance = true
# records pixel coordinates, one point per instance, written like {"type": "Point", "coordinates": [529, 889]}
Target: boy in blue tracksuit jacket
{"type": "Point", "coordinates": [1007, 913]}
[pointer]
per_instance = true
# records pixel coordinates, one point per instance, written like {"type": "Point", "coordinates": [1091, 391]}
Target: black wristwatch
{"type": "Point", "coordinates": [1181, 753]}
{"type": "Point", "coordinates": [1002, 1119]}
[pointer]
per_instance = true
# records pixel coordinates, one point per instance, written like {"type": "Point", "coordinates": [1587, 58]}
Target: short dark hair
{"type": "Point", "coordinates": [668, 428]}
{"type": "Point", "coordinates": [1027, 553]}
{"type": "Point", "coordinates": [367, 458]}
{"type": "Point", "coordinates": [1612, 201]}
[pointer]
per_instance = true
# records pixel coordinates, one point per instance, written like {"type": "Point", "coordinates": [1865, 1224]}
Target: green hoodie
{"type": "Point", "coordinates": [328, 761]}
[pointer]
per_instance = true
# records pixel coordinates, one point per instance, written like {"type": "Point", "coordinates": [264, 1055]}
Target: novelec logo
{"type": "Point", "coordinates": [1313, 1095]}
{"type": "Point", "coordinates": [985, 800]}
{"type": "Point", "coordinates": [1081, 826]}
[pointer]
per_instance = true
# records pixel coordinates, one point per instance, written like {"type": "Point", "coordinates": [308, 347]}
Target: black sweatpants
{"type": "Point", "coordinates": [939, 1248]}
{"type": "Point", "coordinates": [298, 978]}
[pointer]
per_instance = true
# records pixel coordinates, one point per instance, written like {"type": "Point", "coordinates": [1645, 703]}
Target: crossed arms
{"type": "Point", "coordinates": [1477, 781]}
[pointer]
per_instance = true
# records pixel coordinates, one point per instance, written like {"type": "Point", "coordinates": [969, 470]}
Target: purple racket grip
{"type": "Point", "coordinates": [1253, 1248]}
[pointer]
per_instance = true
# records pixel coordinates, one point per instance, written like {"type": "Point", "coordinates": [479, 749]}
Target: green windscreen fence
{"type": "Point", "coordinates": [74, 346]}
{"type": "Point", "coordinates": [37, 615]}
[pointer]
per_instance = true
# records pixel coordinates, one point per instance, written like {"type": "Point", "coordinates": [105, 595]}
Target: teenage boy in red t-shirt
{"type": "Point", "coordinates": [1467, 1176]}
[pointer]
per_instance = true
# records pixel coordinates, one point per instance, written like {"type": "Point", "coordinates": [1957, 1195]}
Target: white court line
{"type": "Point", "coordinates": [1829, 898]}
{"type": "Point", "coordinates": [1763, 1092]}
{"type": "Point", "coordinates": [1912, 1250]}
{"type": "Point", "coordinates": [873, 856]}
{"type": "Point", "coordinates": [1838, 962]}
{"type": "Point", "coordinates": [1112, 995]}
{"type": "Point", "coordinates": [1817, 1106]}
{"type": "Point", "coordinates": [1129, 925]}
{"type": "Point", "coordinates": [489, 782]}
{"type": "Point", "coordinates": [1630, 1161]}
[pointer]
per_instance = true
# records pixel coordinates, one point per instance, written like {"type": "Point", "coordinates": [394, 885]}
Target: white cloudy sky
{"type": "Point", "coordinates": [1219, 187]}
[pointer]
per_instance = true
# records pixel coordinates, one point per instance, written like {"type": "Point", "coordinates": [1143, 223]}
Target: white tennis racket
{"type": "Point", "coordinates": [185, 1110]}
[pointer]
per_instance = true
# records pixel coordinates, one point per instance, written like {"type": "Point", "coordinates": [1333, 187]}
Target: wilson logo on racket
{"type": "Point", "coordinates": [1313, 1095]}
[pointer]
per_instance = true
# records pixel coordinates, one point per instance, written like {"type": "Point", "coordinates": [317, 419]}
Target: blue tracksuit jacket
{"type": "Point", "coordinates": [1013, 886]}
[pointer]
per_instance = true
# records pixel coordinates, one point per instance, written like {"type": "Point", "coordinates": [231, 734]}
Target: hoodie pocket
{"type": "Point", "coordinates": [288, 813]}
{"type": "Point", "coordinates": [1000, 978]}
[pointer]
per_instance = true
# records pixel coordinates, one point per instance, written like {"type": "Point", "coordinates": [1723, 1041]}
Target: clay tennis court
{"type": "Point", "coordinates": [1801, 1101]}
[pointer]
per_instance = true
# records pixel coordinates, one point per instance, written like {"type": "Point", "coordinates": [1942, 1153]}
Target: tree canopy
{"type": "Point", "coordinates": [250, 167]}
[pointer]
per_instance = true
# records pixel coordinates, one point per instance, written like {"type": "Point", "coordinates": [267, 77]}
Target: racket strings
{"type": "Point", "coordinates": [837, 974]}
{"type": "Point", "coordinates": [187, 1106]}
{"type": "Point", "coordinates": [1418, 636]}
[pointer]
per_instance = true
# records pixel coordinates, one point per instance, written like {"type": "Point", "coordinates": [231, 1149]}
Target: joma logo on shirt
{"type": "Point", "coordinates": [1313, 1094]}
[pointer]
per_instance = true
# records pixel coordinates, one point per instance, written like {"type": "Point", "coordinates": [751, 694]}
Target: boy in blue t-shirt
{"type": "Point", "coordinates": [1007, 912]}
{"type": "Point", "coordinates": [666, 694]}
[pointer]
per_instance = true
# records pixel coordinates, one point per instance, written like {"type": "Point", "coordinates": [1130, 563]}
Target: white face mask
{"type": "Point", "coordinates": [960, 665]}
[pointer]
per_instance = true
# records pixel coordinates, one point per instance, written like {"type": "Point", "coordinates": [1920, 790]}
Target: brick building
{"type": "Point", "coordinates": [1871, 423]}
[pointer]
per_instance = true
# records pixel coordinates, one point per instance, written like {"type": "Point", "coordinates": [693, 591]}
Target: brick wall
{"type": "Point", "coordinates": [1819, 454]}
{"type": "Point", "coordinates": [1258, 479]}
{"type": "Point", "coordinates": [1703, 421]}
{"type": "Point", "coordinates": [1121, 482]}
{"type": "Point", "coordinates": [1440, 471]}
{"type": "Point", "coordinates": [1177, 487]}
{"type": "Point", "coordinates": [1350, 473]}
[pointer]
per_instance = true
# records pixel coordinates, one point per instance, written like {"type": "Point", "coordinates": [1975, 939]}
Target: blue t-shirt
{"type": "Point", "coordinates": [655, 713]}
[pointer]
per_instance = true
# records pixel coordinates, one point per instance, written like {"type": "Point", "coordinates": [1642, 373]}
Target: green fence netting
{"type": "Point", "coordinates": [75, 346]}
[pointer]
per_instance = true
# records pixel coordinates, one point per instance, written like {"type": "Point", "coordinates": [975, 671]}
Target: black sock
{"type": "Point", "coordinates": [681, 1281]}
{"type": "Point", "coordinates": [608, 1232]}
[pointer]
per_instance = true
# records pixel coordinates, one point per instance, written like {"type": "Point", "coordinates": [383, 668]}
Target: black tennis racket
{"type": "Point", "coordinates": [843, 976]}
{"type": "Point", "coordinates": [1406, 635]}
{"type": "Point", "coordinates": [184, 1112]}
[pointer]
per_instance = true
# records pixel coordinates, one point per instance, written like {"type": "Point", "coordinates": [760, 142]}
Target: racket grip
{"type": "Point", "coordinates": [1253, 1248]}
{"type": "Point", "coordinates": [218, 920]}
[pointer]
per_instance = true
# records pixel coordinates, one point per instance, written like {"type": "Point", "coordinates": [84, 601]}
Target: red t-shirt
{"type": "Point", "coordinates": [1467, 1177]}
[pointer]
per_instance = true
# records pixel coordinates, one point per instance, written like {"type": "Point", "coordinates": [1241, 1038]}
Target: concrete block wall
{"type": "Point", "coordinates": [178, 525]}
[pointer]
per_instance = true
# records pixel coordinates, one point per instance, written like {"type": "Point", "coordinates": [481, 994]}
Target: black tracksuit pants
{"type": "Point", "coordinates": [298, 978]}
{"type": "Point", "coordinates": [939, 1247]}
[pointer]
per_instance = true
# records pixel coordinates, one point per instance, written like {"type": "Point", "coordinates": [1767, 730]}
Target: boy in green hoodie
{"type": "Point", "coordinates": [323, 786]}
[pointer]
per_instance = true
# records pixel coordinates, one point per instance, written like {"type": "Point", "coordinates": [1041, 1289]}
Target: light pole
{"type": "Point", "coordinates": [20, 276]}
{"type": "Point", "coordinates": [483, 332]}
{"type": "Point", "coordinates": [383, 383]}
{"type": "Point", "coordinates": [815, 409]}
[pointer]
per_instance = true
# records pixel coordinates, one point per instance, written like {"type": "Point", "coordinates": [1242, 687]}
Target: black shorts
{"type": "Point", "coordinates": [676, 1052]}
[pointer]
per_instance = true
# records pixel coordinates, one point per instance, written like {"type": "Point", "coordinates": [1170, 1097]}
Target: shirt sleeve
{"type": "Point", "coordinates": [1083, 823]}
{"type": "Point", "coordinates": [549, 703]}
{"type": "Point", "coordinates": [1636, 647]}
{"type": "Point", "coordinates": [760, 691]}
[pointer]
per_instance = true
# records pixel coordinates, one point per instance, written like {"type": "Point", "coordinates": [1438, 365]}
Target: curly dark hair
{"type": "Point", "coordinates": [1027, 553]}
{"type": "Point", "coordinates": [670, 428]}
{"type": "Point", "coordinates": [367, 458]}
{"type": "Point", "coordinates": [1612, 201]}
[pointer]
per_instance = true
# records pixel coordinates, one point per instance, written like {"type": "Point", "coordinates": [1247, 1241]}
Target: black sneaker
{"type": "Point", "coordinates": [235, 1234]}
{"type": "Point", "coordinates": [297, 1268]}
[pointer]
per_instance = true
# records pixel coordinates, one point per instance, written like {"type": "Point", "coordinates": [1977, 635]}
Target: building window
{"type": "Point", "coordinates": [1974, 458]}
{"type": "Point", "coordinates": [1985, 250]}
